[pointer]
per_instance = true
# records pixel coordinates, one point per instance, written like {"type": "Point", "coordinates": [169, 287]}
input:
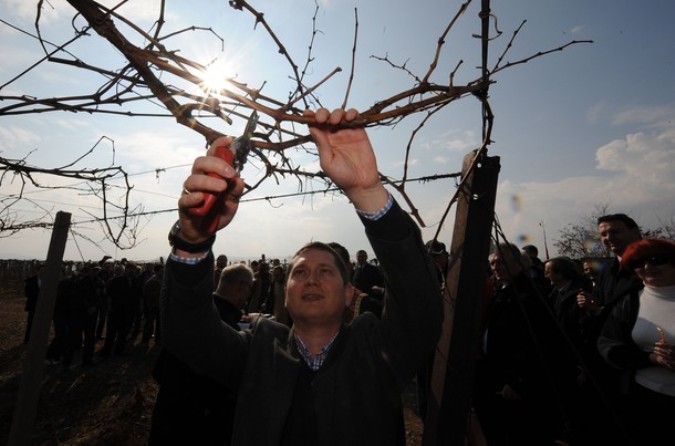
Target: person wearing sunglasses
{"type": "Point", "coordinates": [638, 338]}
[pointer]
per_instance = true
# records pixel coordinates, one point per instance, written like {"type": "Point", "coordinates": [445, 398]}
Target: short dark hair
{"type": "Point", "coordinates": [342, 252]}
{"type": "Point", "coordinates": [565, 267]}
{"type": "Point", "coordinates": [531, 250]}
{"type": "Point", "coordinates": [342, 267]}
{"type": "Point", "coordinates": [509, 249]}
{"type": "Point", "coordinates": [625, 219]}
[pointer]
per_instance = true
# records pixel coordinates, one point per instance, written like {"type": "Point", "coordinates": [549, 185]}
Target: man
{"type": "Point", "coordinates": [536, 269]}
{"type": "Point", "coordinates": [151, 291]}
{"type": "Point", "coordinates": [590, 272]}
{"type": "Point", "coordinates": [360, 301]}
{"type": "Point", "coordinates": [32, 292]}
{"type": "Point", "coordinates": [580, 399]}
{"type": "Point", "coordinates": [221, 263]}
{"type": "Point", "coordinates": [89, 293]}
{"type": "Point", "coordinates": [192, 408]}
{"type": "Point", "coordinates": [124, 291]}
{"type": "Point", "coordinates": [366, 276]}
{"type": "Point", "coordinates": [260, 296]}
{"type": "Point", "coordinates": [323, 382]}
{"type": "Point", "coordinates": [514, 396]}
{"type": "Point", "coordinates": [566, 282]}
{"type": "Point", "coordinates": [616, 231]}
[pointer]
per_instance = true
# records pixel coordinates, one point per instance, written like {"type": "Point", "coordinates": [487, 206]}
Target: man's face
{"type": "Point", "coordinates": [550, 274]}
{"type": "Point", "coordinates": [361, 257]}
{"type": "Point", "coordinates": [504, 266]}
{"type": "Point", "coordinates": [616, 236]}
{"type": "Point", "coordinates": [589, 271]}
{"type": "Point", "coordinates": [315, 290]}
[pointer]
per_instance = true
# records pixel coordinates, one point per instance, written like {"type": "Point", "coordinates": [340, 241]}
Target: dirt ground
{"type": "Point", "coordinates": [109, 404]}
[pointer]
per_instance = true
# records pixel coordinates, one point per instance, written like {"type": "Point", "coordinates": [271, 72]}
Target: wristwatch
{"type": "Point", "coordinates": [178, 243]}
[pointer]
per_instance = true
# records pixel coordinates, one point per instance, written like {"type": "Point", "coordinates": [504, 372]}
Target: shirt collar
{"type": "Point", "coordinates": [314, 361]}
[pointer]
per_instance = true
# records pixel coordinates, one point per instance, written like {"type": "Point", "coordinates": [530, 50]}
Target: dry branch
{"type": "Point", "coordinates": [156, 72]}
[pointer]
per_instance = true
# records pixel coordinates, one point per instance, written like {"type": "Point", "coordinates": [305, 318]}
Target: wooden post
{"type": "Point", "coordinates": [452, 375]}
{"type": "Point", "coordinates": [33, 370]}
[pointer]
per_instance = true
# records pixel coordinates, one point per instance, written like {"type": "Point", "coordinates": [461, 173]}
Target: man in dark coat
{"type": "Point", "coordinates": [125, 291]}
{"type": "Point", "coordinates": [322, 382]}
{"type": "Point", "coordinates": [192, 408]}
{"type": "Point", "coordinates": [525, 368]}
{"type": "Point", "coordinates": [616, 231]}
{"type": "Point", "coordinates": [31, 291]}
{"type": "Point", "coordinates": [366, 276]}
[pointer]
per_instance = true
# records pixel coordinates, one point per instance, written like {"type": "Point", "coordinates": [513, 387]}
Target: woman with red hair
{"type": "Point", "coordinates": [639, 338]}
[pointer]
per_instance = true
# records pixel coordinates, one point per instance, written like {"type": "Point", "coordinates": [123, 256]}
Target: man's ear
{"type": "Point", "coordinates": [349, 294]}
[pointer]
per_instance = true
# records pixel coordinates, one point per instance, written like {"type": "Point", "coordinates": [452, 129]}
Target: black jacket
{"type": "Point", "coordinates": [356, 394]}
{"type": "Point", "coordinates": [192, 408]}
{"type": "Point", "coordinates": [616, 344]}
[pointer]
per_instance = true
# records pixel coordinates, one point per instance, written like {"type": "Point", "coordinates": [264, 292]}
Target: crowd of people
{"type": "Point", "coordinates": [579, 352]}
{"type": "Point", "coordinates": [112, 302]}
{"type": "Point", "coordinates": [319, 350]}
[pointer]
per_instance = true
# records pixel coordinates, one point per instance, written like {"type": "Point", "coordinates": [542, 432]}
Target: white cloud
{"type": "Point", "coordinates": [140, 10]}
{"type": "Point", "coordinates": [654, 116]}
{"type": "Point", "coordinates": [636, 175]}
{"type": "Point", "coordinates": [27, 11]}
{"type": "Point", "coordinates": [578, 29]}
{"type": "Point", "coordinates": [645, 158]}
{"type": "Point", "coordinates": [411, 162]}
{"type": "Point", "coordinates": [455, 141]}
{"type": "Point", "coordinates": [14, 137]}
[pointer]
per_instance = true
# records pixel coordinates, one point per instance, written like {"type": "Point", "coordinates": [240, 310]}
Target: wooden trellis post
{"type": "Point", "coordinates": [33, 369]}
{"type": "Point", "coordinates": [449, 403]}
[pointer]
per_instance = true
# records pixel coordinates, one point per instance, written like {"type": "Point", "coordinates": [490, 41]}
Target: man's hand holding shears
{"type": "Point", "coordinates": [345, 153]}
{"type": "Point", "coordinates": [211, 193]}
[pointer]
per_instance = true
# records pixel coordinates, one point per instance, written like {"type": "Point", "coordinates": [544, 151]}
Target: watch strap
{"type": "Point", "coordinates": [178, 243]}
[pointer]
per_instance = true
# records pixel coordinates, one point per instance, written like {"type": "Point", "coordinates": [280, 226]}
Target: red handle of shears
{"type": "Point", "coordinates": [208, 211]}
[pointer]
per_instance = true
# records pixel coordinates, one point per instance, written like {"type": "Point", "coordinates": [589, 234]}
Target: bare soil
{"type": "Point", "coordinates": [109, 404]}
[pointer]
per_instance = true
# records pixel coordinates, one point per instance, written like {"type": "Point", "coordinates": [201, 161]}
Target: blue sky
{"type": "Point", "coordinates": [586, 127]}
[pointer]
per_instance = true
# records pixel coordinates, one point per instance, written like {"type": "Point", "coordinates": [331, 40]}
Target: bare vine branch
{"type": "Point", "coordinates": [156, 73]}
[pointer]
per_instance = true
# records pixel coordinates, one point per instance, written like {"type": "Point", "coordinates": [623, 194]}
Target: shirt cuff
{"type": "Point", "coordinates": [188, 260]}
{"type": "Point", "coordinates": [392, 225]}
{"type": "Point", "coordinates": [379, 213]}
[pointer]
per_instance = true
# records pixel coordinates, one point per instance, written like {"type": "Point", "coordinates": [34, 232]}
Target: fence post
{"type": "Point", "coordinates": [449, 401]}
{"type": "Point", "coordinates": [27, 399]}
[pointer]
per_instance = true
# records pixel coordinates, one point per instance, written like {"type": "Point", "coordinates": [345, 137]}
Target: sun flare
{"type": "Point", "coordinates": [216, 77]}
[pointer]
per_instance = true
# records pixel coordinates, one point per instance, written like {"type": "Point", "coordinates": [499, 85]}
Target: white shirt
{"type": "Point", "coordinates": [657, 308]}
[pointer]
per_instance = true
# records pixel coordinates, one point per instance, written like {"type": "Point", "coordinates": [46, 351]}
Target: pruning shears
{"type": "Point", "coordinates": [235, 154]}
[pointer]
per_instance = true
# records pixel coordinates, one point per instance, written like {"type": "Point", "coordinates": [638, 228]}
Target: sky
{"type": "Point", "coordinates": [580, 129]}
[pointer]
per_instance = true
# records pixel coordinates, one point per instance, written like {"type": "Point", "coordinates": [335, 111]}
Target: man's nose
{"type": "Point", "coordinates": [313, 277]}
